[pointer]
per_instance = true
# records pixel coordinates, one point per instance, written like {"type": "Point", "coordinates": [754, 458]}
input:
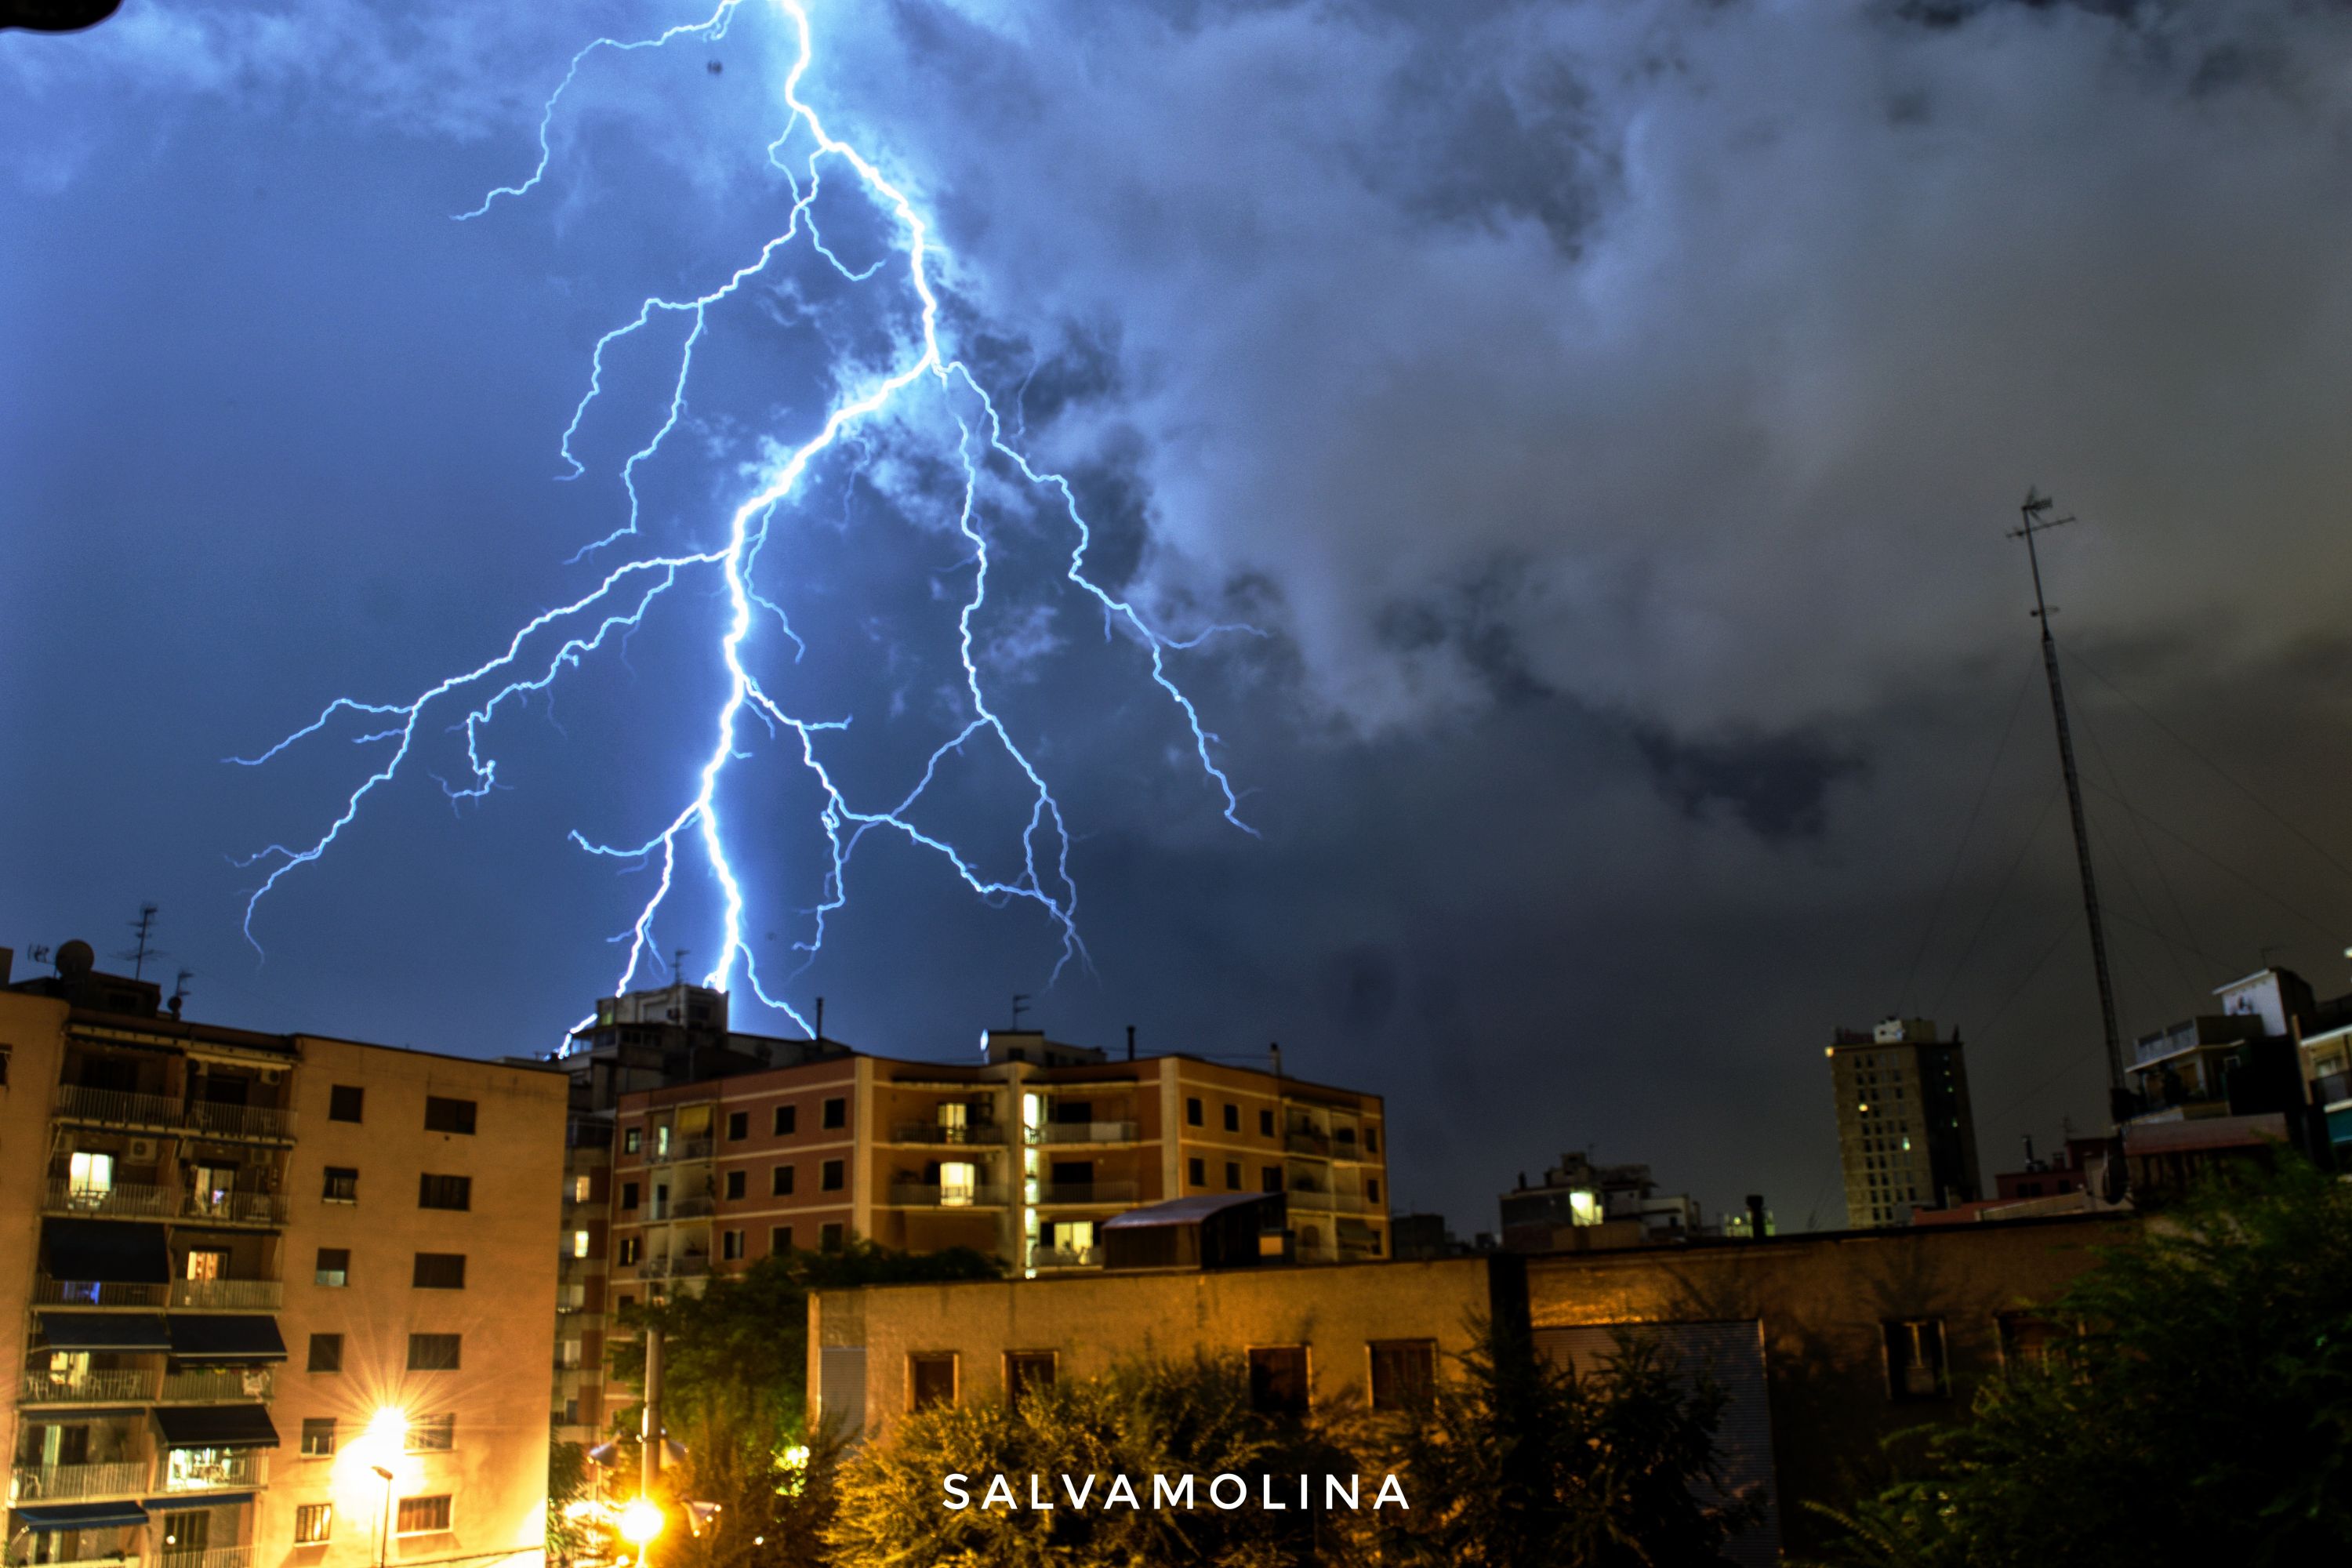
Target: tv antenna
{"type": "Point", "coordinates": [143, 949]}
{"type": "Point", "coordinates": [1020, 1005]}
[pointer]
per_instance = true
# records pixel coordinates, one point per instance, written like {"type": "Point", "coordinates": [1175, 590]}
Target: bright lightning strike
{"type": "Point", "coordinates": [558, 639]}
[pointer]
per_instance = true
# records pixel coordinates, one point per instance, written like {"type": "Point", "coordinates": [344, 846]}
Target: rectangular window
{"type": "Point", "coordinates": [344, 1101]}
{"type": "Point", "coordinates": [326, 1354]}
{"type": "Point", "coordinates": [930, 1379]}
{"type": "Point", "coordinates": [314, 1522]}
{"type": "Point", "coordinates": [628, 1251]}
{"type": "Point", "coordinates": [1025, 1369]}
{"type": "Point", "coordinates": [1265, 1123]}
{"type": "Point", "coordinates": [2026, 1340]}
{"type": "Point", "coordinates": [1405, 1372]}
{"type": "Point", "coordinates": [735, 1182]}
{"type": "Point", "coordinates": [432, 1435]}
{"type": "Point", "coordinates": [628, 1195]}
{"type": "Point", "coordinates": [1371, 1141]}
{"type": "Point", "coordinates": [582, 1185]}
{"type": "Point", "coordinates": [439, 1271]}
{"type": "Point", "coordinates": [1232, 1176]}
{"type": "Point", "coordinates": [786, 1116]}
{"type": "Point", "coordinates": [579, 1244]}
{"type": "Point", "coordinates": [433, 1352]}
{"type": "Point", "coordinates": [780, 1240]}
{"type": "Point", "coordinates": [1372, 1189]}
{"type": "Point", "coordinates": [836, 1112]}
{"type": "Point", "coordinates": [1232, 1118]}
{"type": "Point", "coordinates": [829, 1237]}
{"type": "Point", "coordinates": [448, 1115]}
{"type": "Point", "coordinates": [1269, 1179]}
{"type": "Point", "coordinates": [1192, 1114]}
{"type": "Point", "coordinates": [1278, 1380]}
{"type": "Point", "coordinates": [1915, 1360]}
{"type": "Point", "coordinates": [633, 1140]}
{"type": "Point", "coordinates": [317, 1436]}
{"type": "Point", "coordinates": [739, 1126]}
{"type": "Point", "coordinates": [832, 1176]}
{"type": "Point", "coordinates": [780, 1182]}
{"type": "Point", "coordinates": [342, 1184]}
{"type": "Point", "coordinates": [423, 1515]}
{"type": "Point", "coordinates": [731, 1245]}
{"type": "Point", "coordinates": [334, 1266]}
{"type": "Point", "coordinates": [445, 1192]}
{"type": "Point", "coordinates": [1196, 1170]}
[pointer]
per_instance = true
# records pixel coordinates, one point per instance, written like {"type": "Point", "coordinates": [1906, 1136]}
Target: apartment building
{"type": "Point", "coordinates": [1906, 1133]}
{"type": "Point", "coordinates": [279, 1298]}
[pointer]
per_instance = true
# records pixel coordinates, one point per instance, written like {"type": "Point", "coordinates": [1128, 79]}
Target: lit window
{"type": "Point", "coordinates": [313, 1524]}
{"type": "Point", "coordinates": [93, 1178]}
{"type": "Point", "coordinates": [424, 1515]}
{"type": "Point", "coordinates": [579, 1244]}
{"type": "Point", "coordinates": [432, 1435]}
{"type": "Point", "coordinates": [317, 1437]}
{"type": "Point", "coordinates": [959, 1183]}
{"type": "Point", "coordinates": [579, 1188]}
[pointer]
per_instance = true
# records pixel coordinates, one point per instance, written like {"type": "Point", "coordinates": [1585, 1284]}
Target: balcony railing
{"type": "Point", "coordinates": [116, 1107]}
{"type": "Point", "coordinates": [220, 1384]}
{"type": "Point", "coordinates": [693, 1265]}
{"type": "Point", "coordinates": [210, 1557]}
{"type": "Point", "coordinates": [213, 1470]}
{"type": "Point", "coordinates": [49, 1293]}
{"type": "Point", "coordinates": [682, 1151]}
{"type": "Point", "coordinates": [102, 1385]}
{"type": "Point", "coordinates": [934, 1133]}
{"type": "Point", "coordinates": [122, 1201]}
{"type": "Point", "coordinates": [236, 1208]}
{"type": "Point", "coordinates": [930, 1195]}
{"type": "Point", "coordinates": [1301, 1197]}
{"type": "Point", "coordinates": [1305, 1142]}
{"type": "Point", "coordinates": [1056, 1193]}
{"type": "Point", "coordinates": [588, 1132]}
{"type": "Point", "coordinates": [59, 1483]}
{"type": "Point", "coordinates": [232, 1295]}
{"type": "Point", "coordinates": [23, 1557]}
{"type": "Point", "coordinates": [1066, 1258]}
{"type": "Point", "coordinates": [217, 1120]}
{"type": "Point", "coordinates": [699, 1206]}
{"type": "Point", "coordinates": [1083, 1132]}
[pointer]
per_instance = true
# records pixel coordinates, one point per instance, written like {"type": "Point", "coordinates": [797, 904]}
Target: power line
{"type": "Point", "coordinates": [1991, 910]}
{"type": "Point", "coordinates": [2332, 930]}
{"type": "Point", "coordinates": [2163, 881]}
{"type": "Point", "coordinates": [1935, 914]}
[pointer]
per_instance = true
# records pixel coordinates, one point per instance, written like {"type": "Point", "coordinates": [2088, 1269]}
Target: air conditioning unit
{"type": "Point", "coordinates": [142, 1148]}
{"type": "Point", "coordinates": [270, 1075]}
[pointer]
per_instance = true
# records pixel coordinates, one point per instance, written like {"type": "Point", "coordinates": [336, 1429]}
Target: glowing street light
{"type": "Point", "coordinates": [641, 1522]}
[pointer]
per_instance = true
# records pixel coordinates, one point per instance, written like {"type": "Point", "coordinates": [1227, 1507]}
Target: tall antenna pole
{"type": "Point", "coordinates": [145, 949]}
{"type": "Point", "coordinates": [2033, 520]}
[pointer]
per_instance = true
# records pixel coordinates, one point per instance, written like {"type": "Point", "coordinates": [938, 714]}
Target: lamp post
{"type": "Point", "coordinates": [384, 1545]}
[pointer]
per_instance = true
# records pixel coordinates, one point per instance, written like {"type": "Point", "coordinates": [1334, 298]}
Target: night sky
{"type": "Point", "coordinates": [1609, 413]}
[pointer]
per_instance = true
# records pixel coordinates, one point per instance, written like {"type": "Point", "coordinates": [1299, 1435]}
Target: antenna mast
{"type": "Point", "coordinates": [144, 949]}
{"type": "Point", "coordinates": [2033, 520]}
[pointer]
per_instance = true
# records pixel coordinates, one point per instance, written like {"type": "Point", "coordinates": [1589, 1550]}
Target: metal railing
{"type": "Point", "coordinates": [693, 1265]}
{"type": "Point", "coordinates": [219, 1121]}
{"type": "Point", "coordinates": [1299, 1141]}
{"type": "Point", "coordinates": [123, 1200]}
{"type": "Point", "coordinates": [116, 1107]}
{"type": "Point", "coordinates": [99, 1386]}
{"type": "Point", "coordinates": [49, 1293]}
{"type": "Point", "coordinates": [23, 1557]}
{"type": "Point", "coordinates": [930, 1195]}
{"type": "Point", "coordinates": [210, 1557]}
{"type": "Point", "coordinates": [55, 1483]}
{"type": "Point", "coordinates": [1083, 1132]}
{"type": "Point", "coordinates": [212, 1470]}
{"type": "Point", "coordinates": [1087, 1192]}
{"type": "Point", "coordinates": [236, 1208]}
{"type": "Point", "coordinates": [1066, 1258]}
{"type": "Point", "coordinates": [220, 1383]}
{"type": "Point", "coordinates": [682, 1150]}
{"type": "Point", "coordinates": [236, 1295]}
{"type": "Point", "coordinates": [1301, 1197]}
{"type": "Point", "coordinates": [936, 1132]}
{"type": "Point", "coordinates": [701, 1205]}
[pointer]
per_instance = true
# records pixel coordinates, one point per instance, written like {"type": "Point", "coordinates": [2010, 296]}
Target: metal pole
{"type": "Point", "coordinates": [650, 1426]}
{"type": "Point", "coordinates": [384, 1541]}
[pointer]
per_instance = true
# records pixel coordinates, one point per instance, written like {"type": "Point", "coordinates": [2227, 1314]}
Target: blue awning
{"type": "Point", "coordinates": [185, 1500]}
{"type": "Point", "coordinates": [79, 1515]}
{"type": "Point", "coordinates": [104, 1331]}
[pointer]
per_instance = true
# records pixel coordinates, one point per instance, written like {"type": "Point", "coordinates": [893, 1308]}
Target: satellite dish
{"type": "Point", "coordinates": [75, 959]}
{"type": "Point", "coordinates": [55, 16]}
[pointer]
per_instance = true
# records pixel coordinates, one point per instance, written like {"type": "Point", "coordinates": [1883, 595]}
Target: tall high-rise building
{"type": "Point", "coordinates": [271, 1298]}
{"type": "Point", "coordinates": [1907, 1136]}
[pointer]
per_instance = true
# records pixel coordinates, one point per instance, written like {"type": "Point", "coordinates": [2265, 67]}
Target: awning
{"type": "Point", "coordinates": [104, 1331]}
{"type": "Point", "coordinates": [79, 1515]}
{"type": "Point", "coordinates": [189, 1500]}
{"type": "Point", "coordinates": [108, 1251]}
{"type": "Point", "coordinates": [216, 1426]}
{"type": "Point", "coordinates": [1181, 1211]}
{"type": "Point", "coordinates": [223, 1337]}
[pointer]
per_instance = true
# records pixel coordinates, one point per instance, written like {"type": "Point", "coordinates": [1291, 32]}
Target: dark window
{"type": "Point", "coordinates": [930, 1379]}
{"type": "Point", "coordinates": [432, 1435]}
{"type": "Point", "coordinates": [628, 1195]}
{"type": "Point", "coordinates": [1196, 1170]}
{"type": "Point", "coordinates": [735, 1180]}
{"type": "Point", "coordinates": [334, 1266]}
{"type": "Point", "coordinates": [1372, 1191]}
{"type": "Point", "coordinates": [1025, 1369]}
{"type": "Point", "coordinates": [787, 1119]}
{"type": "Point", "coordinates": [633, 1140]}
{"type": "Point", "coordinates": [780, 1240]}
{"type": "Point", "coordinates": [731, 1245]}
{"type": "Point", "coordinates": [445, 1192]}
{"type": "Point", "coordinates": [448, 1115]}
{"type": "Point", "coordinates": [2026, 1340]}
{"type": "Point", "coordinates": [832, 1175]}
{"type": "Point", "coordinates": [314, 1522]}
{"type": "Point", "coordinates": [1232, 1118]}
{"type": "Point", "coordinates": [1371, 1141]}
{"type": "Point", "coordinates": [1278, 1379]}
{"type": "Point", "coordinates": [344, 1101]}
{"type": "Point", "coordinates": [326, 1354]}
{"type": "Point", "coordinates": [424, 1515]}
{"type": "Point", "coordinates": [1270, 1179]}
{"type": "Point", "coordinates": [739, 1126]}
{"type": "Point", "coordinates": [780, 1182]}
{"type": "Point", "coordinates": [439, 1271]}
{"type": "Point", "coordinates": [433, 1352]}
{"type": "Point", "coordinates": [342, 1184]}
{"type": "Point", "coordinates": [1232, 1176]}
{"type": "Point", "coordinates": [1265, 1123]}
{"type": "Point", "coordinates": [829, 1237]}
{"type": "Point", "coordinates": [1192, 1109]}
{"type": "Point", "coordinates": [1915, 1360]}
{"type": "Point", "coordinates": [628, 1251]}
{"type": "Point", "coordinates": [317, 1436]}
{"type": "Point", "coordinates": [1403, 1372]}
{"type": "Point", "coordinates": [836, 1112]}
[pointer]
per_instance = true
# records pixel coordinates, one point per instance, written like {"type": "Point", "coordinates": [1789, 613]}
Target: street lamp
{"type": "Point", "coordinates": [384, 1548]}
{"type": "Point", "coordinates": [641, 1522]}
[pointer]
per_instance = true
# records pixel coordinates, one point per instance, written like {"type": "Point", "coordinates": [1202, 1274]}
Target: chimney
{"type": "Point", "coordinates": [1130, 1042]}
{"type": "Point", "coordinates": [820, 1020]}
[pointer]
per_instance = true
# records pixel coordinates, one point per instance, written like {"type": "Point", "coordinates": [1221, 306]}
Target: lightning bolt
{"type": "Point", "coordinates": [560, 639]}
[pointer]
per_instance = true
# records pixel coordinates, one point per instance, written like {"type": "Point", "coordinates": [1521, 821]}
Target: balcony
{"type": "Point", "coordinates": [23, 1557]}
{"type": "Point", "coordinates": [117, 1108]}
{"type": "Point", "coordinates": [930, 1195]}
{"type": "Point", "coordinates": [699, 1206]}
{"type": "Point", "coordinates": [63, 1483]}
{"type": "Point", "coordinates": [1305, 1140]}
{"type": "Point", "coordinates": [122, 1201]}
{"type": "Point", "coordinates": [214, 1469]}
{"type": "Point", "coordinates": [110, 1385]}
{"type": "Point", "coordinates": [266, 1123]}
{"type": "Point", "coordinates": [1066, 1258]}
{"type": "Point", "coordinates": [210, 1557]}
{"type": "Point", "coordinates": [219, 1385]}
{"type": "Point", "coordinates": [934, 1134]}
{"type": "Point", "coordinates": [2331, 1088]}
{"type": "Point", "coordinates": [229, 1295]}
{"type": "Point", "coordinates": [682, 1150]}
{"type": "Point", "coordinates": [49, 1293]}
{"type": "Point", "coordinates": [693, 1265]}
{"type": "Point", "coordinates": [1078, 1193]}
{"type": "Point", "coordinates": [1083, 1132]}
{"type": "Point", "coordinates": [1301, 1197]}
{"type": "Point", "coordinates": [236, 1208]}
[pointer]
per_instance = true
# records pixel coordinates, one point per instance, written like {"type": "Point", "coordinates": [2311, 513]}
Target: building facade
{"type": "Point", "coordinates": [1906, 1132]}
{"type": "Point", "coordinates": [1580, 1206]}
{"type": "Point", "coordinates": [282, 1299]}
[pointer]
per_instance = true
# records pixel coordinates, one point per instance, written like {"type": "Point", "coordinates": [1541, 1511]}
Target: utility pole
{"type": "Point", "coordinates": [2031, 521]}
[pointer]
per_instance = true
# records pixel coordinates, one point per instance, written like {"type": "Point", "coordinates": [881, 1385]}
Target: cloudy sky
{"type": "Point", "coordinates": [1607, 415]}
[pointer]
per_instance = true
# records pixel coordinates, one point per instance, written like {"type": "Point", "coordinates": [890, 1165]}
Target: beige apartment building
{"type": "Point", "coordinates": [1906, 1132]}
{"type": "Point", "coordinates": [281, 1300]}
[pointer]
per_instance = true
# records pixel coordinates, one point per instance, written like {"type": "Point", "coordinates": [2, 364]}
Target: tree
{"type": "Point", "coordinates": [2203, 1413]}
{"type": "Point", "coordinates": [1519, 1461]}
